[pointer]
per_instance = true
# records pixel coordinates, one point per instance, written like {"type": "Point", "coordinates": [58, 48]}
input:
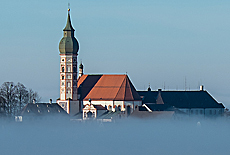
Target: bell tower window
{"type": "Point", "coordinates": [63, 69]}
{"type": "Point", "coordinates": [68, 68]}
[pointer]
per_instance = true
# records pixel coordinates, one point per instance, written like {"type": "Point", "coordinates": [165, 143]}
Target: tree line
{"type": "Point", "coordinates": [13, 97]}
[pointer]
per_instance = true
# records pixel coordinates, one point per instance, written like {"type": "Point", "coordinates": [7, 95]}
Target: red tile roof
{"type": "Point", "coordinates": [107, 87]}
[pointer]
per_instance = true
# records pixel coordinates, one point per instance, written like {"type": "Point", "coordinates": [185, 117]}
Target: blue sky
{"type": "Point", "coordinates": [157, 42]}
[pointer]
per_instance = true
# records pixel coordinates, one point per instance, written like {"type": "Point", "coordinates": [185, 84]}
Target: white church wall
{"type": "Point", "coordinates": [137, 103]}
{"type": "Point", "coordinates": [129, 103]}
{"type": "Point", "coordinates": [103, 103]}
{"type": "Point", "coordinates": [119, 103]}
{"type": "Point", "coordinates": [113, 105]}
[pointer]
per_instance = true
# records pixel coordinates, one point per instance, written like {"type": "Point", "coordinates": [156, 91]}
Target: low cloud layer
{"type": "Point", "coordinates": [122, 137]}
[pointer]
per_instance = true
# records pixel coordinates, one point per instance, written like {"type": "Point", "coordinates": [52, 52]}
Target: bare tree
{"type": "Point", "coordinates": [22, 96]}
{"type": "Point", "coordinates": [14, 97]}
{"type": "Point", "coordinates": [9, 94]}
{"type": "Point", "coordinates": [33, 96]}
{"type": "Point", "coordinates": [2, 106]}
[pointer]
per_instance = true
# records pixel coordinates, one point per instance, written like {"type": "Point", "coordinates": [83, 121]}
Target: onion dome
{"type": "Point", "coordinates": [68, 44]}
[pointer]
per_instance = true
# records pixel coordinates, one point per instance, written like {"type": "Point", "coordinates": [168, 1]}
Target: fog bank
{"type": "Point", "coordinates": [122, 137]}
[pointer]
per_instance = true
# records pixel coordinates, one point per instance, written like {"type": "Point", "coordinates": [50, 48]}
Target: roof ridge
{"type": "Point", "coordinates": [120, 89]}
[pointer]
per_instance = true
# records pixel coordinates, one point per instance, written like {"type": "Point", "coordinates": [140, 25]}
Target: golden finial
{"type": "Point", "coordinates": [68, 7]}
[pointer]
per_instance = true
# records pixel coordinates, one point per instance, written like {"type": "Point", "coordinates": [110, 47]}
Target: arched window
{"type": "Point", "coordinates": [119, 108]}
{"type": "Point", "coordinates": [63, 69]}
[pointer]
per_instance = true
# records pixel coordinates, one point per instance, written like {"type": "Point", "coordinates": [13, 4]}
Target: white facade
{"type": "Point", "coordinates": [68, 77]}
{"type": "Point", "coordinates": [116, 105]}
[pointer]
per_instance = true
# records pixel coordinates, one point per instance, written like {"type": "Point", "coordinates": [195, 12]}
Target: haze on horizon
{"type": "Point", "coordinates": [155, 42]}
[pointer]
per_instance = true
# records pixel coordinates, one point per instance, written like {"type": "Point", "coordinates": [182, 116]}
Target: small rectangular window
{"type": "Point", "coordinates": [68, 69]}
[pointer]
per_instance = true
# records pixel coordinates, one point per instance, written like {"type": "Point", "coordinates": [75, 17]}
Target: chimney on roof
{"type": "Point", "coordinates": [34, 101]}
{"type": "Point", "coordinates": [201, 88]}
{"type": "Point", "coordinates": [50, 101]}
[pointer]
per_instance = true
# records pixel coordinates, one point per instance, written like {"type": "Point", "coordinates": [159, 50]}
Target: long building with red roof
{"type": "Point", "coordinates": [115, 92]}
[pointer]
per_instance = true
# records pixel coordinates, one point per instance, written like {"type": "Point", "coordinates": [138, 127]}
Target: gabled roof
{"type": "Point", "coordinates": [107, 87]}
{"type": "Point", "coordinates": [42, 109]}
{"type": "Point", "coordinates": [182, 99]}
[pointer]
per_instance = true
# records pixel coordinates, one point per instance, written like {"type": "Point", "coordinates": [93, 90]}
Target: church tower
{"type": "Point", "coordinates": [68, 48]}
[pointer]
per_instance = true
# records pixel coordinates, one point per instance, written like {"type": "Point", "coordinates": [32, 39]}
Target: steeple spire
{"type": "Point", "coordinates": [68, 44]}
{"type": "Point", "coordinates": [68, 26]}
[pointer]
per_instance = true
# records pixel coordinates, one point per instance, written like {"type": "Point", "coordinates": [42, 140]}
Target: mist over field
{"type": "Point", "coordinates": [122, 137]}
